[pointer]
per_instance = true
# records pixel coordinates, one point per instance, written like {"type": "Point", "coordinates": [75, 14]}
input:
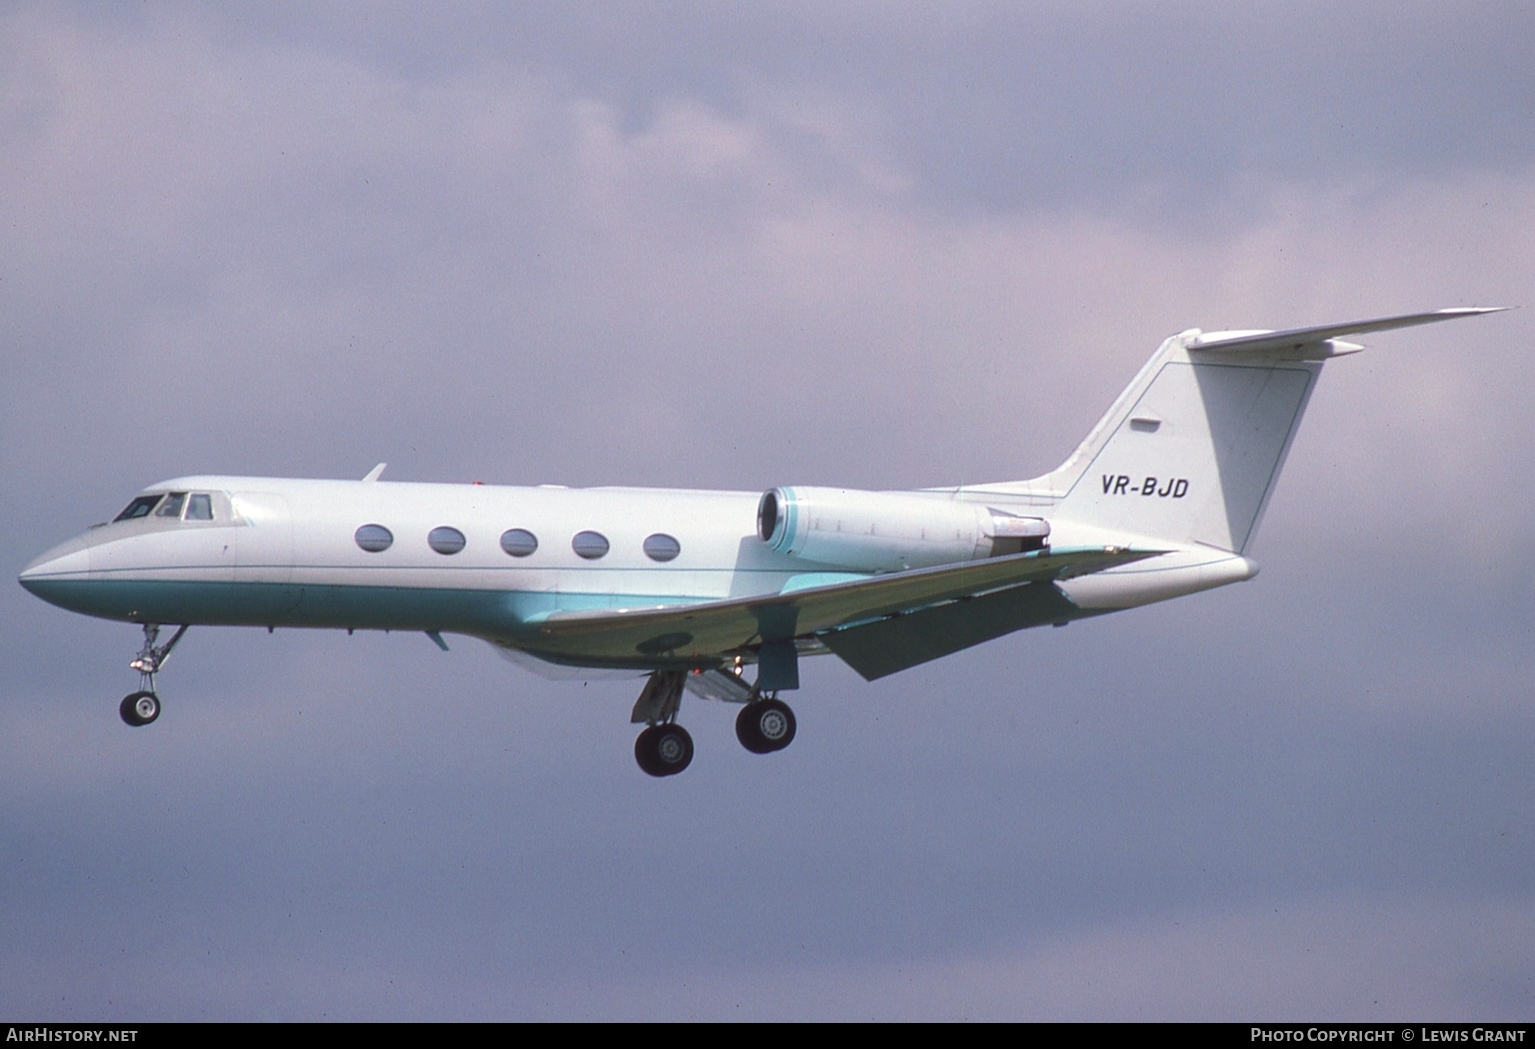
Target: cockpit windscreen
{"type": "Point", "coordinates": [177, 506]}
{"type": "Point", "coordinates": [140, 507]}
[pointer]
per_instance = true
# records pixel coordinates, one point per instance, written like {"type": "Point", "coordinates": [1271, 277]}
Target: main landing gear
{"type": "Point", "coordinates": [142, 707]}
{"type": "Point", "coordinates": [664, 748]}
{"type": "Point", "coordinates": [765, 725]}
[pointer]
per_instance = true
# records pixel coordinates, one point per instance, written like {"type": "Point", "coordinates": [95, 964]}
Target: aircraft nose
{"type": "Point", "coordinates": [68, 562]}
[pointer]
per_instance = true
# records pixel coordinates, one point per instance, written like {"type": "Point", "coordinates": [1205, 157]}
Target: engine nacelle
{"type": "Point", "coordinates": [889, 531]}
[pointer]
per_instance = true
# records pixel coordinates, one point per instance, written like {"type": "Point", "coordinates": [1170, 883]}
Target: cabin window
{"type": "Point", "coordinates": [374, 538]}
{"type": "Point", "coordinates": [662, 547]}
{"type": "Point", "coordinates": [140, 507]}
{"type": "Point", "coordinates": [519, 542]}
{"type": "Point", "coordinates": [200, 507]}
{"type": "Point", "coordinates": [590, 545]}
{"type": "Point", "coordinates": [172, 505]}
{"type": "Point", "coordinates": [445, 540]}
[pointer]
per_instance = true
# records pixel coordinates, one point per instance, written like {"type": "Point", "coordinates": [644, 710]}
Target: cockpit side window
{"type": "Point", "coordinates": [172, 505]}
{"type": "Point", "coordinates": [140, 507]}
{"type": "Point", "coordinates": [200, 507]}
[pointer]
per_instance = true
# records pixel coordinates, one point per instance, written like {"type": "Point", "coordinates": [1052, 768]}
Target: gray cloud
{"type": "Point", "coordinates": [994, 106]}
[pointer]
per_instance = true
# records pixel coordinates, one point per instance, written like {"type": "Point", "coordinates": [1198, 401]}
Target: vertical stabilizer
{"type": "Point", "coordinates": [1194, 456]}
{"type": "Point", "coordinates": [1191, 450]}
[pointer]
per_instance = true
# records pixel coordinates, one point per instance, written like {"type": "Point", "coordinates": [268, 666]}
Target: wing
{"type": "Point", "coordinates": [693, 635]}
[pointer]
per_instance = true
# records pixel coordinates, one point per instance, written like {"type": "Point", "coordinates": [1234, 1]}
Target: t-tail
{"type": "Point", "coordinates": [1189, 454]}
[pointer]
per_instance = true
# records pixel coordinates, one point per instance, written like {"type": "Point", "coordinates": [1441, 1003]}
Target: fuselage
{"type": "Point", "coordinates": [483, 560]}
{"type": "Point", "coordinates": [285, 552]}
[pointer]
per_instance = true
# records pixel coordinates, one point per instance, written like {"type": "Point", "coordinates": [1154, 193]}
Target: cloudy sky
{"type": "Point", "coordinates": [872, 245]}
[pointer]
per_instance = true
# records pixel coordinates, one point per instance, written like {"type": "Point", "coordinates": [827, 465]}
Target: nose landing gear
{"type": "Point", "coordinates": [142, 707]}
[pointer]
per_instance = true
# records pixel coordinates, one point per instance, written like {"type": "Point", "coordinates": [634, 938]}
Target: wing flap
{"type": "Point", "coordinates": [898, 642]}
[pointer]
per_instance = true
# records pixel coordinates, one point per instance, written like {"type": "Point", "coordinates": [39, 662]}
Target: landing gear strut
{"type": "Point", "coordinates": [142, 707]}
{"type": "Point", "coordinates": [664, 748]}
{"type": "Point", "coordinates": [765, 725]}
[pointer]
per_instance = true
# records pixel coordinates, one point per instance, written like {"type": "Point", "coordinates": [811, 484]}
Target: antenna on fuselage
{"type": "Point", "coordinates": [373, 474]}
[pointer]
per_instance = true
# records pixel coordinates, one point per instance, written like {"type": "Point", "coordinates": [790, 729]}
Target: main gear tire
{"type": "Point", "coordinates": [765, 726]}
{"type": "Point", "coordinates": [663, 750]}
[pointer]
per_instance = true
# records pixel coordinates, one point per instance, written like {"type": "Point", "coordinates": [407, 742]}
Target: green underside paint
{"type": "Point", "coordinates": [494, 614]}
{"type": "Point", "coordinates": [511, 617]}
{"type": "Point", "coordinates": [808, 580]}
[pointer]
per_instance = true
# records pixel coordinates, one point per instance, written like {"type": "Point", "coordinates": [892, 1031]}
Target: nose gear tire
{"type": "Point", "coordinates": [139, 708]}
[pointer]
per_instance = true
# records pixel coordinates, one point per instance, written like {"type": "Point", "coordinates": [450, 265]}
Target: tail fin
{"type": "Point", "coordinates": [1189, 453]}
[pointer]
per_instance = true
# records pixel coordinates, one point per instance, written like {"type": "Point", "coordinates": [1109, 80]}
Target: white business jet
{"type": "Point", "coordinates": [691, 588]}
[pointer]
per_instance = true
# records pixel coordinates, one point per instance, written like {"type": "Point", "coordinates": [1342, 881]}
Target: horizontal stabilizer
{"type": "Point", "coordinates": [1296, 338]}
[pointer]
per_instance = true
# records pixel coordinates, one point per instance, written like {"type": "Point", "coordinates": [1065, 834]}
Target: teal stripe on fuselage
{"type": "Point", "coordinates": [505, 614]}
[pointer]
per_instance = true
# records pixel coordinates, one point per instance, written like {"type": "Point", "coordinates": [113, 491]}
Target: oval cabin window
{"type": "Point", "coordinates": [662, 547]}
{"type": "Point", "coordinates": [374, 538]}
{"type": "Point", "coordinates": [519, 542]}
{"type": "Point", "coordinates": [590, 545]}
{"type": "Point", "coordinates": [445, 540]}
